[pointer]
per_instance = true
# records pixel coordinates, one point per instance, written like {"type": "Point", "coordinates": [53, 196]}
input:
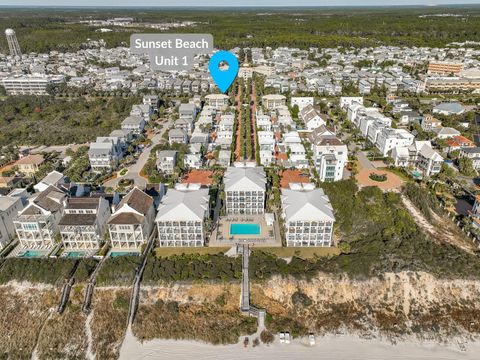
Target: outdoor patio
{"type": "Point", "coordinates": [222, 235]}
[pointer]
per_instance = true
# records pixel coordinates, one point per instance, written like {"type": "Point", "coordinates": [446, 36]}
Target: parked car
{"type": "Point", "coordinates": [311, 339]}
{"type": "Point", "coordinates": [282, 338]}
{"type": "Point", "coordinates": [287, 338]}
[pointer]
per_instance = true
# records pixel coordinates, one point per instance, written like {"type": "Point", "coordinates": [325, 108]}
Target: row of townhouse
{"type": "Point", "coordinates": [210, 129]}
{"type": "Point", "coordinates": [180, 216]}
{"type": "Point", "coordinates": [398, 143]}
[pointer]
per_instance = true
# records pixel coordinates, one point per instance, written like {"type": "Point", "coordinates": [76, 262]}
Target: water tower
{"type": "Point", "coordinates": [13, 42]}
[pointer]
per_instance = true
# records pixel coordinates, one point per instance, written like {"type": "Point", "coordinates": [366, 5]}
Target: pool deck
{"type": "Point", "coordinates": [221, 236]}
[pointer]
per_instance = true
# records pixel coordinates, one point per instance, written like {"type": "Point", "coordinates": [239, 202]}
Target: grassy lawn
{"type": "Point", "coordinates": [301, 252]}
{"type": "Point", "coordinates": [165, 252]}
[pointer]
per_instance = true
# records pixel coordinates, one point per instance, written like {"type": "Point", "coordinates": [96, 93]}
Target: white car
{"type": "Point", "coordinates": [311, 339]}
{"type": "Point", "coordinates": [282, 338]}
{"type": "Point", "coordinates": [287, 338]}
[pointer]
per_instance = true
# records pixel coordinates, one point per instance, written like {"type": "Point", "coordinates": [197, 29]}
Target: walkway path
{"type": "Point", "coordinates": [135, 297]}
{"type": "Point", "coordinates": [245, 306]}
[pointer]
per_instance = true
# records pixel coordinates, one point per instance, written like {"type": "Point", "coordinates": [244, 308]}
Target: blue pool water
{"type": "Point", "coordinates": [122, 253]}
{"type": "Point", "coordinates": [32, 254]}
{"type": "Point", "coordinates": [75, 254]}
{"type": "Point", "coordinates": [244, 229]}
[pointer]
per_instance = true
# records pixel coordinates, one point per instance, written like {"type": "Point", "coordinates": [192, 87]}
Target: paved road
{"type": "Point", "coordinates": [134, 170]}
{"type": "Point", "coordinates": [364, 162]}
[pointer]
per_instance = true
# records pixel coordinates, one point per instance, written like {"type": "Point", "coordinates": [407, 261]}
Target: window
{"type": "Point", "coordinates": [30, 227]}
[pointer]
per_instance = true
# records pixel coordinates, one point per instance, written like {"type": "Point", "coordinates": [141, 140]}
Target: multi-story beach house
{"type": "Point", "coordinates": [37, 224]}
{"type": "Point", "coordinates": [131, 223]}
{"type": "Point", "coordinates": [9, 208]}
{"type": "Point", "coordinates": [329, 154]}
{"type": "Point", "coordinates": [105, 153]}
{"type": "Point", "coordinates": [84, 221]}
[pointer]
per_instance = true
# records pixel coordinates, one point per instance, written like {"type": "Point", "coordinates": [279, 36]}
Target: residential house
{"type": "Point", "coordinates": [329, 154]}
{"type": "Point", "coordinates": [37, 224]}
{"type": "Point", "coordinates": [54, 178]}
{"type": "Point", "coordinates": [30, 164]}
{"type": "Point", "coordinates": [9, 208]}
{"type": "Point", "coordinates": [312, 118]}
{"type": "Point", "coordinates": [84, 222]}
{"type": "Point", "coordinates": [472, 153]}
{"type": "Point", "coordinates": [132, 221]}
{"type": "Point", "coordinates": [217, 101]}
{"type": "Point", "coordinates": [446, 132]}
{"type": "Point", "coordinates": [166, 161]}
{"type": "Point", "coordinates": [429, 123]}
{"type": "Point", "coordinates": [273, 101]}
{"type": "Point", "coordinates": [135, 124]}
{"type": "Point", "coordinates": [151, 100]}
{"type": "Point", "coordinates": [177, 136]}
{"type": "Point", "coordinates": [105, 153]}
{"type": "Point", "coordinates": [181, 216]}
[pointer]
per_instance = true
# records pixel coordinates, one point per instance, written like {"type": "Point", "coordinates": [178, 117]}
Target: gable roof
{"type": "Point", "coordinates": [244, 179]}
{"type": "Point", "coordinates": [178, 205]}
{"type": "Point", "coordinates": [137, 200]}
{"type": "Point", "coordinates": [306, 205]}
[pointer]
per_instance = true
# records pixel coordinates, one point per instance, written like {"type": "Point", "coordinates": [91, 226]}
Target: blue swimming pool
{"type": "Point", "coordinates": [123, 253]}
{"type": "Point", "coordinates": [244, 229]}
{"type": "Point", "coordinates": [33, 254]}
{"type": "Point", "coordinates": [76, 254]}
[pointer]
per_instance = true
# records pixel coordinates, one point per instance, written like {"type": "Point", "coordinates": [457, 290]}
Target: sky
{"type": "Point", "coordinates": [232, 2]}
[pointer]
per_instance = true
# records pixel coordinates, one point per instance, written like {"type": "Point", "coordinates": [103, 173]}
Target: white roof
{"type": "Point", "coordinates": [7, 201]}
{"type": "Point", "coordinates": [186, 205]}
{"type": "Point", "coordinates": [245, 179]}
{"type": "Point", "coordinates": [306, 205]}
{"type": "Point", "coordinates": [428, 153]}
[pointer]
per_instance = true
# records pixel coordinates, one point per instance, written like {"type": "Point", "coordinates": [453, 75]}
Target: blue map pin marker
{"type": "Point", "coordinates": [223, 78]}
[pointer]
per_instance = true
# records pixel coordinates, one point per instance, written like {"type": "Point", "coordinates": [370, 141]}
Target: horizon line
{"type": "Point", "coordinates": [239, 6]}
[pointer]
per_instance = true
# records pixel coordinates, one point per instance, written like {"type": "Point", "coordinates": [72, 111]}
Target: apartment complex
{"type": "Point", "coordinates": [30, 85]}
{"type": "Point", "coordinates": [245, 190]}
{"type": "Point", "coordinates": [444, 68]}
{"type": "Point", "coordinates": [308, 216]}
{"type": "Point", "coordinates": [181, 216]}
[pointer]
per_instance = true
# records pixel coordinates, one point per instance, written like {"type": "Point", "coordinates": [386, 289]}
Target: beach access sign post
{"type": "Point", "coordinates": [171, 51]}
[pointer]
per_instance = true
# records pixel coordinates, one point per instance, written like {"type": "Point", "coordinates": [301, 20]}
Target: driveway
{"type": "Point", "coordinates": [135, 169]}
{"type": "Point", "coordinates": [364, 163]}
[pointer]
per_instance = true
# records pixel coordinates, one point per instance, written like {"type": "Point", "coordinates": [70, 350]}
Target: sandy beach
{"type": "Point", "coordinates": [328, 347]}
